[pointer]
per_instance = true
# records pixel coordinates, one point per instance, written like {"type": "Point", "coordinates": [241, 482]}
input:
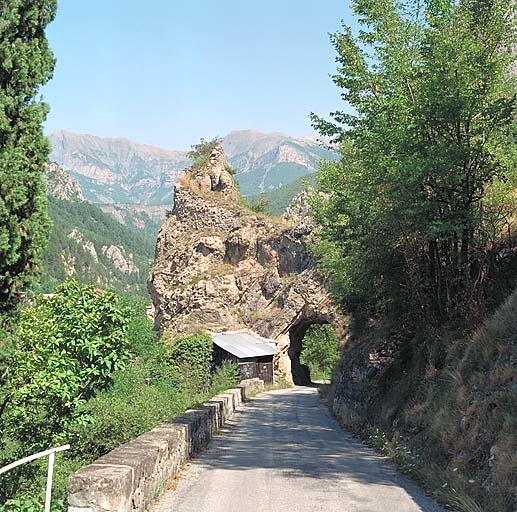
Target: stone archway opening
{"type": "Point", "coordinates": [300, 372]}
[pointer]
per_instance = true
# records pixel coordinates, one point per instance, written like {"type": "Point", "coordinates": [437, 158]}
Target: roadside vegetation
{"type": "Point", "coordinates": [320, 351]}
{"type": "Point", "coordinates": [418, 240]}
{"type": "Point", "coordinates": [82, 367]}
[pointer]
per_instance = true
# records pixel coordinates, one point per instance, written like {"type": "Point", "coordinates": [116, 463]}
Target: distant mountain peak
{"type": "Point", "coordinates": [117, 170]}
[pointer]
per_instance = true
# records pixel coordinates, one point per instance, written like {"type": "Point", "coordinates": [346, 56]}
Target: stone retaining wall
{"type": "Point", "coordinates": [130, 477]}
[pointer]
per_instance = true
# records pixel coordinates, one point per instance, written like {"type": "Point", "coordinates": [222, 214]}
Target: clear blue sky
{"type": "Point", "coordinates": [167, 72]}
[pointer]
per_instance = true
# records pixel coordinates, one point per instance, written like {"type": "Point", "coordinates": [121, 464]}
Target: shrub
{"type": "Point", "coordinates": [225, 377]}
{"type": "Point", "coordinates": [200, 153]}
{"type": "Point", "coordinates": [23, 504]}
{"type": "Point", "coordinates": [257, 204]}
{"type": "Point", "coordinates": [191, 362]}
{"type": "Point", "coordinates": [123, 412]}
{"type": "Point", "coordinates": [67, 348]}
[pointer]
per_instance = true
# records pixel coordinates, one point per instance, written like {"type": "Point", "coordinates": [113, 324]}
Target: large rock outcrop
{"type": "Point", "coordinates": [61, 185]}
{"type": "Point", "coordinates": [220, 266]}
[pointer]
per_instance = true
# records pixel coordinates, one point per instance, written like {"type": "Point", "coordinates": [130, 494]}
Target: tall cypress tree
{"type": "Point", "coordinates": [26, 63]}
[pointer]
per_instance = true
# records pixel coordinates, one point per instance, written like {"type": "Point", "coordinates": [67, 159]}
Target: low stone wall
{"type": "Point", "coordinates": [129, 478]}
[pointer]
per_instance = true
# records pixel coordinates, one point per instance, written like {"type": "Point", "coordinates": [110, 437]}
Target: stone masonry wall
{"type": "Point", "coordinates": [129, 478]}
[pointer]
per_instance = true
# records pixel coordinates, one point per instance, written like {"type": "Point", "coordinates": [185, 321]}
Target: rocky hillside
{"type": "Point", "coordinates": [145, 218]}
{"type": "Point", "coordinates": [119, 171]}
{"type": "Point", "coordinates": [219, 266]}
{"type": "Point", "coordinates": [61, 185]}
{"type": "Point", "coordinates": [89, 244]}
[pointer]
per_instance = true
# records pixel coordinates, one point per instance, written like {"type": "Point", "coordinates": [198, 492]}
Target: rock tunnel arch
{"type": "Point", "coordinates": [300, 372]}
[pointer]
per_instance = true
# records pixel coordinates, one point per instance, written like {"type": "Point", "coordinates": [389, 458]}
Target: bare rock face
{"type": "Point", "coordinates": [219, 266]}
{"type": "Point", "coordinates": [60, 184]}
{"type": "Point", "coordinates": [123, 263]}
{"type": "Point", "coordinates": [86, 244]}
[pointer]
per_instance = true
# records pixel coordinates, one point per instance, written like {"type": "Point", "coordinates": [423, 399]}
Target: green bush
{"type": "Point", "coordinates": [320, 350]}
{"type": "Point", "coordinates": [258, 204]}
{"type": "Point", "coordinates": [200, 153]}
{"type": "Point", "coordinates": [68, 347]}
{"type": "Point", "coordinates": [65, 349]}
{"type": "Point", "coordinates": [134, 404]}
{"type": "Point", "coordinates": [225, 377]}
{"type": "Point", "coordinates": [23, 504]}
{"type": "Point", "coordinates": [191, 360]}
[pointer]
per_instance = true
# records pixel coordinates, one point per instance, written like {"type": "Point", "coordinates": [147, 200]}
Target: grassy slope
{"type": "Point", "coordinates": [442, 403]}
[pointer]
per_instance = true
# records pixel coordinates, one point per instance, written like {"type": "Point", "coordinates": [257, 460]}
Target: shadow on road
{"type": "Point", "coordinates": [292, 432]}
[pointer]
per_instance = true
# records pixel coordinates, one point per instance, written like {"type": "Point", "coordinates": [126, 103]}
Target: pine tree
{"type": "Point", "coordinates": [26, 63]}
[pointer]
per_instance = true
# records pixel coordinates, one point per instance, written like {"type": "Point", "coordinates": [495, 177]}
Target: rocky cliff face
{"type": "Point", "coordinates": [219, 266]}
{"type": "Point", "coordinates": [61, 185]}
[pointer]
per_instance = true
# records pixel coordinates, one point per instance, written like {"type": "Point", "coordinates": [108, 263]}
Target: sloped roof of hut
{"type": "Point", "coordinates": [244, 345]}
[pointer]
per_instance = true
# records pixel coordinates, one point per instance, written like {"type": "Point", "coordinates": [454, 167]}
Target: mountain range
{"type": "Point", "coordinates": [108, 197]}
{"type": "Point", "coordinates": [118, 171]}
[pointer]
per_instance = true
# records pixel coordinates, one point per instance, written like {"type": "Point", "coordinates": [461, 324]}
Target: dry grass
{"type": "Point", "coordinates": [453, 400]}
{"type": "Point", "coordinates": [220, 269]}
{"type": "Point", "coordinates": [263, 315]}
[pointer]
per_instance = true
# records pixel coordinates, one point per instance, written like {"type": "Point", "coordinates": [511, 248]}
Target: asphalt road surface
{"type": "Point", "coordinates": [285, 453]}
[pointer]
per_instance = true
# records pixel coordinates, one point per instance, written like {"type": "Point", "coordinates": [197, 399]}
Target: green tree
{"type": "Point", "coordinates": [200, 152]}
{"type": "Point", "coordinates": [320, 351]}
{"type": "Point", "coordinates": [425, 141]}
{"type": "Point", "coordinates": [68, 347]}
{"type": "Point", "coordinates": [26, 63]}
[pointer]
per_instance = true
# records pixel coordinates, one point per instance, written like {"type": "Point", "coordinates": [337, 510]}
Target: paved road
{"type": "Point", "coordinates": [284, 453]}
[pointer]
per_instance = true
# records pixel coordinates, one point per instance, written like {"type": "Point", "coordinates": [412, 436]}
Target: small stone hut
{"type": "Point", "coordinates": [252, 353]}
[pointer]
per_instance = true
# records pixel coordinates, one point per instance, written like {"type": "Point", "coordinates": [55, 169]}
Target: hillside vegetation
{"type": "Point", "coordinates": [67, 255]}
{"type": "Point", "coordinates": [417, 238]}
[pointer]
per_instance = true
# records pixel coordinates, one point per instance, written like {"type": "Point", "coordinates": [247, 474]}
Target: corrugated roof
{"type": "Point", "coordinates": [243, 345]}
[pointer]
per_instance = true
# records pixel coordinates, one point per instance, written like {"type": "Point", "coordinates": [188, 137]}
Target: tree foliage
{"type": "Point", "coordinates": [26, 63]}
{"type": "Point", "coordinates": [200, 152]}
{"type": "Point", "coordinates": [320, 351]}
{"type": "Point", "coordinates": [68, 347]}
{"type": "Point", "coordinates": [427, 143]}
